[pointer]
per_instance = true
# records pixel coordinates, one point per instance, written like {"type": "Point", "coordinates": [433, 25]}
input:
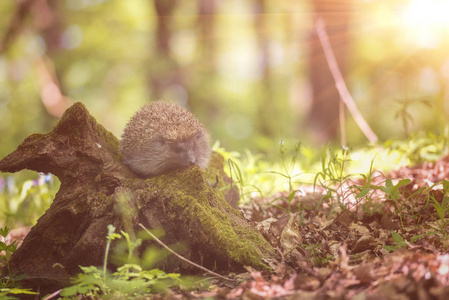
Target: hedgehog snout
{"type": "Point", "coordinates": [191, 159]}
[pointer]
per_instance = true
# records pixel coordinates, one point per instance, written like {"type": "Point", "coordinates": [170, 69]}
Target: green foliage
{"type": "Point", "coordinates": [23, 205]}
{"type": "Point", "coordinates": [392, 191]}
{"type": "Point", "coordinates": [317, 255]}
{"type": "Point", "coordinates": [244, 172]}
{"type": "Point", "coordinates": [8, 249]}
{"type": "Point", "coordinates": [288, 170]}
{"type": "Point", "coordinates": [333, 175]}
{"type": "Point", "coordinates": [9, 285]}
{"type": "Point", "coordinates": [398, 240]}
{"type": "Point", "coordinates": [420, 147]}
{"type": "Point", "coordinates": [403, 112]}
{"type": "Point", "coordinates": [5, 293]}
{"type": "Point", "coordinates": [335, 172]}
{"type": "Point", "coordinates": [130, 281]}
{"type": "Point", "coordinates": [442, 210]}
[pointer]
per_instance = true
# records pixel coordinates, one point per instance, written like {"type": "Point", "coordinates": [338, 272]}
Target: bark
{"type": "Point", "coordinates": [323, 117]}
{"type": "Point", "coordinates": [188, 204]}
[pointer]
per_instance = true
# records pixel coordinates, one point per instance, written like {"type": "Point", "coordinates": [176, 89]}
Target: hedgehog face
{"type": "Point", "coordinates": [189, 151]}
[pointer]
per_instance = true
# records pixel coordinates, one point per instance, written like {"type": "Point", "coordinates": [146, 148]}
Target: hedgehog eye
{"type": "Point", "coordinates": [160, 140]}
{"type": "Point", "coordinates": [177, 149]}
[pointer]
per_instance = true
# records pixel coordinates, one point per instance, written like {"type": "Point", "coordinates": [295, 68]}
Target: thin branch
{"type": "Point", "coordinates": [183, 258]}
{"type": "Point", "coordinates": [51, 296]}
{"type": "Point", "coordinates": [340, 83]}
{"type": "Point", "coordinates": [53, 99]}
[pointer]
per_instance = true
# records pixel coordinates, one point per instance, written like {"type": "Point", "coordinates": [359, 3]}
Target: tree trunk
{"type": "Point", "coordinates": [206, 24]}
{"type": "Point", "coordinates": [323, 116]}
{"type": "Point", "coordinates": [188, 204]}
{"type": "Point", "coordinates": [164, 72]}
{"type": "Point", "coordinates": [267, 108]}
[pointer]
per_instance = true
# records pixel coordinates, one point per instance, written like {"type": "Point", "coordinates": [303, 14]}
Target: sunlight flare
{"type": "Point", "coordinates": [425, 22]}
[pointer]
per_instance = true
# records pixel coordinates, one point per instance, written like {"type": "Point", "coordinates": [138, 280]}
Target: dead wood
{"type": "Point", "coordinates": [97, 190]}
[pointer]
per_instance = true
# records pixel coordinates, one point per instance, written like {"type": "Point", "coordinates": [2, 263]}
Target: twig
{"type": "Point", "coordinates": [183, 258]}
{"type": "Point", "coordinates": [340, 83]}
{"type": "Point", "coordinates": [53, 99]}
{"type": "Point", "coordinates": [51, 296]}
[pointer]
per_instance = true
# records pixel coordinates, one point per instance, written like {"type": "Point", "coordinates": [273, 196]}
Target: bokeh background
{"type": "Point", "coordinates": [252, 71]}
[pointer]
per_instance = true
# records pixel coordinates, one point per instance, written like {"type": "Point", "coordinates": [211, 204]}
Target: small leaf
{"type": "Point", "coordinates": [446, 185]}
{"type": "Point", "coordinates": [390, 248]}
{"type": "Point", "coordinates": [363, 193]}
{"type": "Point", "coordinates": [398, 239]}
{"type": "Point", "coordinates": [4, 231]}
{"type": "Point", "coordinates": [17, 291]}
{"type": "Point", "coordinates": [291, 196]}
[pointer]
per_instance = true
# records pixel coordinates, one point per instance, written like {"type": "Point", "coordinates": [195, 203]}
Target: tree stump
{"type": "Point", "coordinates": [97, 190]}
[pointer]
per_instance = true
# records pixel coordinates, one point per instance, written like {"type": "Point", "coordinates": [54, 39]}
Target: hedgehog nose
{"type": "Point", "coordinates": [191, 158]}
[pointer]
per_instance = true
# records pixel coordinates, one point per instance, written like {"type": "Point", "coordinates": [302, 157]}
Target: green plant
{"type": "Point", "coordinates": [129, 281]}
{"type": "Point", "coordinates": [442, 210]}
{"type": "Point", "coordinates": [288, 199]}
{"type": "Point", "coordinates": [403, 111]}
{"type": "Point", "coordinates": [239, 179]}
{"type": "Point", "coordinates": [317, 255]}
{"type": "Point", "coordinates": [288, 168]}
{"type": "Point", "coordinates": [288, 174]}
{"type": "Point", "coordinates": [399, 242]}
{"type": "Point", "coordinates": [24, 203]}
{"type": "Point", "coordinates": [332, 176]}
{"type": "Point", "coordinates": [365, 190]}
{"type": "Point", "coordinates": [8, 249]}
{"type": "Point", "coordinates": [422, 146]}
{"type": "Point", "coordinates": [392, 192]}
{"type": "Point", "coordinates": [9, 284]}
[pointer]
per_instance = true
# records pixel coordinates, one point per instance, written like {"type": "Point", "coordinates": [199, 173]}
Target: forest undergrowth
{"type": "Point", "coordinates": [370, 224]}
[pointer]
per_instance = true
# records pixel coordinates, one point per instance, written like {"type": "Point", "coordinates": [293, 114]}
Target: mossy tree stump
{"type": "Point", "coordinates": [85, 157]}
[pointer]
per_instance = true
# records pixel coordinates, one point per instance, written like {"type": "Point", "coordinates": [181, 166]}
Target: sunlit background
{"type": "Point", "coordinates": [250, 70]}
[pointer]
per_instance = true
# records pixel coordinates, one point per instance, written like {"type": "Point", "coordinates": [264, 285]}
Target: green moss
{"type": "Point", "coordinates": [192, 202]}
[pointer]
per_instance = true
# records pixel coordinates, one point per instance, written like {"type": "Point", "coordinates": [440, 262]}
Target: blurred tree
{"type": "Point", "coordinates": [266, 104]}
{"type": "Point", "coordinates": [165, 71]}
{"type": "Point", "coordinates": [240, 64]}
{"type": "Point", "coordinates": [206, 27]}
{"type": "Point", "coordinates": [46, 22]}
{"type": "Point", "coordinates": [203, 75]}
{"type": "Point", "coordinates": [323, 117]}
{"type": "Point", "coordinates": [16, 24]}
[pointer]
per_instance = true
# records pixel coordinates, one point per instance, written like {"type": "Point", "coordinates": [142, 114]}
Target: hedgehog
{"type": "Point", "coordinates": [162, 137]}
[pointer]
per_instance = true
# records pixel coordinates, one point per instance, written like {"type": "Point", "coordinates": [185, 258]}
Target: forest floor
{"type": "Point", "coordinates": [382, 236]}
{"type": "Point", "coordinates": [379, 237]}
